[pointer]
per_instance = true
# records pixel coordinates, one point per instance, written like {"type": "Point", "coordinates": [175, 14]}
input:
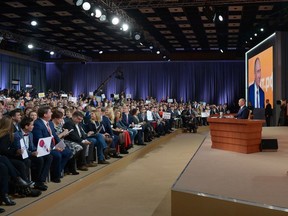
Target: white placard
{"type": "Point", "coordinates": [98, 99]}
{"type": "Point", "coordinates": [103, 96]}
{"type": "Point", "coordinates": [128, 96]}
{"type": "Point", "coordinates": [43, 147]}
{"type": "Point", "coordinates": [149, 115]}
{"type": "Point", "coordinates": [147, 101]}
{"type": "Point", "coordinates": [91, 93]}
{"type": "Point", "coordinates": [23, 149]}
{"type": "Point", "coordinates": [41, 94]}
{"type": "Point", "coordinates": [204, 114]}
{"type": "Point", "coordinates": [64, 95]}
{"type": "Point", "coordinates": [116, 96]}
{"type": "Point", "coordinates": [166, 115]}
{"type": "Point", "coordinates": [170, 100]}
{"type": "Point", "coordinates": [73, 99]}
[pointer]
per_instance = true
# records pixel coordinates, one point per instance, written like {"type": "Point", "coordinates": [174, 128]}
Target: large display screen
{"type": "Point", "coordinates": [259, 66]}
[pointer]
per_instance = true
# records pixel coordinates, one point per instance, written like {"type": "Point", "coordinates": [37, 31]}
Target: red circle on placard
{"type": "Point", "coordinates": [41, 143]}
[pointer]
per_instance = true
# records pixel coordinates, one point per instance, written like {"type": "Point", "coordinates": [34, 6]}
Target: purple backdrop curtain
{"type": "Point", "coordinates": [209, 81]}
{"type": "Point", "coordinates": [27, 72]}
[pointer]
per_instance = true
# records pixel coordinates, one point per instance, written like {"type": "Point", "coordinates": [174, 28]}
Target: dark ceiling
{"type": "Point", "coordinates": [179, 29]}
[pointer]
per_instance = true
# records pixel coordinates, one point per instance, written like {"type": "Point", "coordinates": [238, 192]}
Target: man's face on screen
{"type": "Point", "coordinates": [257, 73]}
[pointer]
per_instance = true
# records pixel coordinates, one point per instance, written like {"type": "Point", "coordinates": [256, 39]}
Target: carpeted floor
{"type": "Point", "coordinates": [140, 187]}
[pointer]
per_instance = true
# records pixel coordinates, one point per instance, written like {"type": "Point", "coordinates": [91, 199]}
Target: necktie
{"type": "Point", "coordinates": [49, 129]}
{"type": "Point", "coordinates": [257, 100]}
{"type": "Point", "coordinates": [25, 134]}
{"type": "Point", "coordinates": [50, 132]}
{"type": "Point", "coordinates": [78, 129]}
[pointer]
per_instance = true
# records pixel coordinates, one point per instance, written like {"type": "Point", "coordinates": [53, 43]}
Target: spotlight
{"type": "Point", "coordinates": [86, 6]}
{"type": "Point", "coordinates": [100, 52]}
{"type": "Point", "coordinates": [98, 13]}
{"type": "Point", "coordinates": [158, 52]}
{"type": "Point", "coordinates": [34, 23]}
{"type": "Point", "coordinates": [78, 2]}
{"type": "Point", "coordinates": [30, 46]}
{"type": "Point", "coordinates": [103, 18]}
{"type": "Point", "coordinates": [220, 18]}
{"type": "Point", "coordinates": [115, 20]}
{"type": "Point", "coordinates": [52, 53]}
{"type": "Point", "coordinates": [137, 36]}
{"type": "Point", "coordinates": [221, 50]}
{"type": "Point", "coordinates": [262, 29]}
{"type": "Point", "coordinates": [125, 27]}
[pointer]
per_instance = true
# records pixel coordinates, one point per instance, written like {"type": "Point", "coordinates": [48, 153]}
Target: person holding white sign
{"type": "Point", "coordinates": [26, 151]}
{"type": "Point", "coordinates": [6, 147]}
{"type": "Point", "coordinates": [44, 128]}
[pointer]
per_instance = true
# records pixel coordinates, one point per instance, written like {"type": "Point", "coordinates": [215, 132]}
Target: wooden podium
{"type": "Point", "coordinates": [238, 135]}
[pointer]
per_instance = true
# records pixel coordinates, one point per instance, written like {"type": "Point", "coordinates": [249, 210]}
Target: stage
{"type": "Point", "coordinates": [219, 182]}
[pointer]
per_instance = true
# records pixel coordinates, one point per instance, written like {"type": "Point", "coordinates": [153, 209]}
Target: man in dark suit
{"type": "Point", "coordinates": [26, 126]}
{"type": "Point", "coordinates": [79, 136]}
{"type": "Point", "coordinates": [243, 112]}
{"type": "Point", "coordinates": [16, 118]}
{"type": "Point", "coordinates": [43, 128]}
{"type": "Point", "coordinates": [268, 112]}
{"type": "Point", "coordinates": [255, 92]}
{"type": "Point", "coordinates": [127, 120]}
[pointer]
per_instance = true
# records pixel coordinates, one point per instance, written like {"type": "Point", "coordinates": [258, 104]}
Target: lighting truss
{"type": "Point", "coordinates": [21, 39]}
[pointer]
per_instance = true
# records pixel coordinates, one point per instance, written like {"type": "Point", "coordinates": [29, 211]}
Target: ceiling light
{"type": "Point", "coordinates": [52, 53]}
{"type": "Point", "coordinates": [221, 50]}
{"type": "Point", "coordinates": [34, 23]}
{"type": "Point", "coordinates": [78, 2]}
{"type": "Point", "coordinates": [100, 52]}
{"type": "Point", "coordinates": [220, 17]}
{"type": "Point", "coordinates": [137, 36]}
{"type": "Point", "coordinates": [86, 6]}
{"type": "Point", "coordinates": [262, 29]}
{"type": "Point", "coordinates": [255, 34]}
{"type": "Point", "coordinates": [115, 20]}
{"type": "Point", "coordinates": [151, 46]}
{"type": "Point", "coordinates": [98, 13]}
{"type": "Point", "coordinates": [158, 52]}
{"type": "Point", "coordinates": [125, 26]}
{"type": "Point", "coordinates": [103, 18]}
{"type": "Point", "coordinates": [30, 46]}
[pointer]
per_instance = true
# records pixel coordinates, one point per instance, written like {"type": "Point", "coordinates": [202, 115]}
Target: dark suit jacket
{"type": "Point", "coordinates": [107, 125]}
{"type": "Point", "coordinates": [142, 118]}
{"type": "Point", "coordinates": [40, 131]}
{"type": "Point", "coordinates": [124, 119]}
{"type": "Point", "coordinates": [268, 110]}
{"type": "Point", "coordinates": [16, 144]}
{"type": "Point", "coordinates": [251, 95]}
{"type": "Point", "coordinates": [243, 113]}
{"type": "Point", "coordinates": [6, 147]}
{"type": "Point", "coordinates": [74, 135]}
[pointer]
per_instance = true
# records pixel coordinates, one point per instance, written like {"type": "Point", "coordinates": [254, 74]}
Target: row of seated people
{"type": "Point", "coordinates": [102, 131]}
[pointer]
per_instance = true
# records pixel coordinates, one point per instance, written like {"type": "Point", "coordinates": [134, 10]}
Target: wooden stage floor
{"type": "Point", "coordinates": [258, 180]}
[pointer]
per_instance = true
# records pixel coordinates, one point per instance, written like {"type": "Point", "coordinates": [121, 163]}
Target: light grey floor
{"type": "Point", "coordinates": [142, 188]}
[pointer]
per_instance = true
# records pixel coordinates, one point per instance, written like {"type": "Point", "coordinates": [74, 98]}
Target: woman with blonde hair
{"type": "Point", "coordinates": [102, 136]}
